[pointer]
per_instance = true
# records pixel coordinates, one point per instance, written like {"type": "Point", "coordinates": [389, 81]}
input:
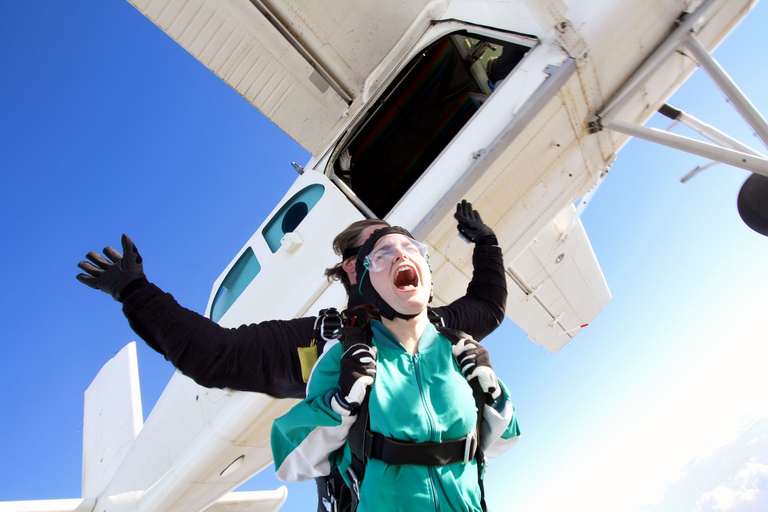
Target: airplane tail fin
{"type": "Point", "coordinates": [112, 418]}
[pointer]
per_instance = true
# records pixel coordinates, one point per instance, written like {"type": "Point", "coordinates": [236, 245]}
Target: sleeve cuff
{"type": "Point", "coordinates": [487, 240]}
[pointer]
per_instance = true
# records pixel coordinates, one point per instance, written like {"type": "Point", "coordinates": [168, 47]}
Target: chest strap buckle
{"type": "Point", "coordinates": [470, 446]}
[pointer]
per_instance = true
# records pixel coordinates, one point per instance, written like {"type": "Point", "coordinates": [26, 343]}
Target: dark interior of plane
{"type": "Point", "coordinates": [420, 113]}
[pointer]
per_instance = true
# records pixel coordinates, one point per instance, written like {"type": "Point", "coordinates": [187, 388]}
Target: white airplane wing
{"type": "Point", "coordinates": [299, 63]}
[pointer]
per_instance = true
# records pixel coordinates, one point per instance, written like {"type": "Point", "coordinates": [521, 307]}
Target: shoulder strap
{"type": "Point", "coordinates": [357, 434]}
{"type": "Point", "coordinates": [435, 319]}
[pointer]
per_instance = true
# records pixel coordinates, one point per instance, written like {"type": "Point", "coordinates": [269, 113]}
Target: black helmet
{"type": "Point", "coordinates": [369, 293]}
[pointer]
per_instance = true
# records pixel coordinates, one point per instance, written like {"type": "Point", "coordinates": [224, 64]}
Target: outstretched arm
{"type": "Point", "coordinates": [481, 309]}
{"type": "Point", "coordinates": [258, 357]}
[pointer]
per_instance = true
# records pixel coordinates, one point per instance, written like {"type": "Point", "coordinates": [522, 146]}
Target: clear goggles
{"type": "Point", "coordinates": [389, 248]}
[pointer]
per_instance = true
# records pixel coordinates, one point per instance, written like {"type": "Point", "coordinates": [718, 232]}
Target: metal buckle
{"type": "Point", "coordinates": [470, 446]}
{"type": "Point", "coordinates": [329, 500]}
{"type": "Point", "coordinates": [330, 506]}
{"type": "Point", "coordinates": [355, 483]}
{"type": "Point", "coordinates": [333, 330]}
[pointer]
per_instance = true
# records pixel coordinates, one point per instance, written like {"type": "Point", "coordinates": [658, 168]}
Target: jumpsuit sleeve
{"type": "Point", "coordinates": [482, 308]}
{"type": "Point", "coordinates": [260, 357]}
{"type": "Point", "coordinates": [305, 439]}
{"type": "Point", "coordinates": [500, 430]}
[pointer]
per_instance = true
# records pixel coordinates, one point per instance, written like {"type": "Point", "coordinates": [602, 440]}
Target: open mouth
{"type": "Point", "coordinates": [406, 277]}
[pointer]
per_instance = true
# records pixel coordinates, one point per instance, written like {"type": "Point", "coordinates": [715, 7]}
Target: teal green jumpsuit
{"type": "Point", "coordinates": [416, 398]}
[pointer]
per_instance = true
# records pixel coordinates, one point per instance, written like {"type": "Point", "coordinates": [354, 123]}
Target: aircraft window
{"type": "Point", "coordinates": [239, 277]}
{"type": "Point", "coordinates": [289, 217]}
{"type": "Point", "coordinates": [419, 114]}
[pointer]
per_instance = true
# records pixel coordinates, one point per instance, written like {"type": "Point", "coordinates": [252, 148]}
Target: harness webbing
{"type": "Point", "coordinates": [398, 453]}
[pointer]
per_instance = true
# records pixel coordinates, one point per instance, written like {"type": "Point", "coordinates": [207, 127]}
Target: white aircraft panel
{"type": "Point", "coordinates": [351, 42]}
{"type": "Point", "coordinates": [112, 418]}
{"type": "Point", "coordinates": [243, 48]}
{"type": "Point", "coordinates": [295, 269]}
{"type": "Point", "coordinates": [525, 310]}
{"type": "Point", "coordinates": [211, 429]}
{"type": "Point", "coordinates": [450, 282]}
{"type": "Point", "coordinates": [75, 505]}
{"type": "Point", "coordinates": [562, 284]}
{"type": "Point", "coordinates": [251, 501]}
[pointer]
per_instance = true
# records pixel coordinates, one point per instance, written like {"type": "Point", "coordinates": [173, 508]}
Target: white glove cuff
{"type": "Point", "coordinates": [487, 379]}
{"type": "Point", "coordinates": [339, 409]}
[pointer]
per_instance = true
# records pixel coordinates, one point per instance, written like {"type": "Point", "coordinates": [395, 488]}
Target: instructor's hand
{"type": "Point", "coordinates": [471, 226]}
{"type": "Point", "coordinates": [118, 276]}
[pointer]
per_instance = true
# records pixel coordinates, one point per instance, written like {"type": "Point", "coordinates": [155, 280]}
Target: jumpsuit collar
{"type": "Point", "coordinates": [385, 338]}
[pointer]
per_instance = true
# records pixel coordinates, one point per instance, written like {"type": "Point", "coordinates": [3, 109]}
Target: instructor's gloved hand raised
{"type": "Point", "coordinates": [474, 362]}
{"type": "Point", "coordinates": [118, 276]}
{"type": "Point", "coordinates": [356, 375]}
{"type": "Point", "coordinates": [471, 226]}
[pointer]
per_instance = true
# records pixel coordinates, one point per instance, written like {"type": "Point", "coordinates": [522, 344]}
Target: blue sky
{"type": "Point", "coordinates": [107, 126]}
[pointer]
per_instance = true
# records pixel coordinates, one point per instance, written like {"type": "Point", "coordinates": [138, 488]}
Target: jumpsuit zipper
{"type": "Point", "coordinates": [430, 422]}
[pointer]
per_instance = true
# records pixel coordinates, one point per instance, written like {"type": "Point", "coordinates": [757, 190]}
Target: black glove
{"type": "Point", "coordinates": [474, 362]}
{"type": "Point", "coordinates": [356, 375]}
{"type": "Point", "coordinates": [471, 226]}
{"type": "Point", "coordinates": [118, 277]}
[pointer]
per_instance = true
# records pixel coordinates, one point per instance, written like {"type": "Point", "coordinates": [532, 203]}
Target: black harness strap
{"type": "Point", "coordinates": [398, 453]}
{"type": "Point", "coordinates": [350, 336]}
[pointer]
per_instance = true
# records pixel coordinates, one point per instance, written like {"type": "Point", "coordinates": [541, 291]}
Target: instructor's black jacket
{"type": "Point", "coordinates": [263, 357]}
